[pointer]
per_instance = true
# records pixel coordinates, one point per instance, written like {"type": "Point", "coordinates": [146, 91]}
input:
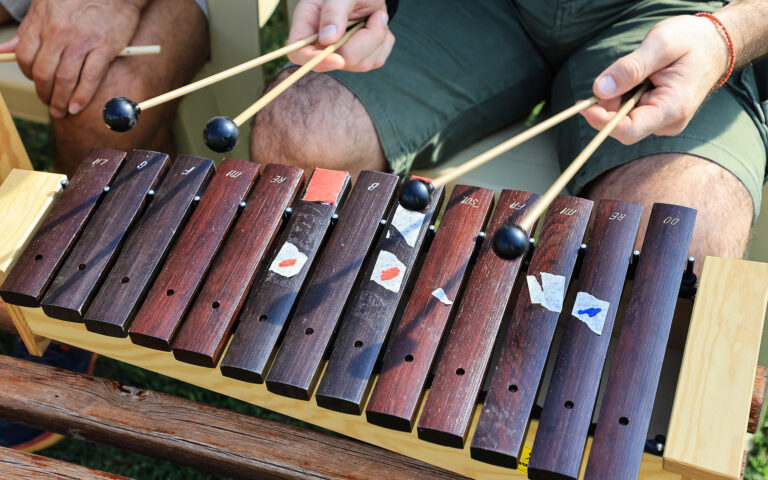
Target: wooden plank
{"type": "Point", "coordinates": [47, 250]}
{"type": "Point", "coordinates": [572, 391]}
{"type": "Point", "coordinates": [710, 411]}
{"type": "Point", "coordinates": [27, 466]}
{"type": "Point", "coordinates": [348, 375]}
{"type": "Point", "coordinates": [160, 315]}
{"type": "Point", "coordinates": [78, 278]}
{"type": "Point", "coordinates": [26, 197]}
{"type": "Point", "coordinates": [210, 438]}
{"type": "Point", "coordinates": [12, 152]}
{"type": "Point", "coordinates": [298, 361]}
{"type": "Point", "coordinates": [267, 307]}
{"type": "Point", "coordinates": [625, 411]}
{"type": "Point", "coordinates": [114, 306]}
{"type": "Point", "coordinates": [204, 332]}
{"type": "Point", "coordinates": [448, 410]}
{"type": "Point", "coordinates": [504, 420]}
{"type": "Point", "coordinates": [355, 426]}
{"type": "Point", "coordinates": [398, 392]}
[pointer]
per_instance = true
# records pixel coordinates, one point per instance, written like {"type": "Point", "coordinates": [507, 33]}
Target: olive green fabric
{"type": "Point", "coordinates": [461, 70]}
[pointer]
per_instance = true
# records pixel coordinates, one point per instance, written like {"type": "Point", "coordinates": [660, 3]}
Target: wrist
{"type": "Point", "coordinates": [727, 40]}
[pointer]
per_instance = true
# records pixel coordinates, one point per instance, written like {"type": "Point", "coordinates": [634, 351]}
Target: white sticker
{"type": "Point", "coordinates": [289, 260]}
{"type": "Point", "coordinates": [408, 223]}
{"type": "Point", "coordinates": [389, 271]}
{"type": "Point", "coordinates": [440, 295]}
{"type": "Point", "coordinates": [591, 311]}
{"type": "Point", "coordinates": [550, 293]}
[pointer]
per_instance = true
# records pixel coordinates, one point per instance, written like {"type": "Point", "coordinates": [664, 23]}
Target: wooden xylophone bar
{"type": "Point", "coordinates": [449, 278]}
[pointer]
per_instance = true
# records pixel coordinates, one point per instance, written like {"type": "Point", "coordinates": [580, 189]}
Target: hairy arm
{"type": "Point", "coordinates": [746, 22]}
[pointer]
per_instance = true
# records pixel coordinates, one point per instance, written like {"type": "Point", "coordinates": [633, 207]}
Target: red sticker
{"type": "Point", "coordinates": [325, 186]}
{"type": "Point", "coordinates": [423, 179]}
{"type": "Point", "coordinates": [389, 273]}
{"type": "Point", "coordinates": [287, 263]}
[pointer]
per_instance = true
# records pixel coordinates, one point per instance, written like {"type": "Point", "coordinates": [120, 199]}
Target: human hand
{"type": "Point", "coordinates": [367, 49]}
{"type": "Point", "coordinates": [66, 47]}
{"type": "Point", "coordinates": [684, 57]}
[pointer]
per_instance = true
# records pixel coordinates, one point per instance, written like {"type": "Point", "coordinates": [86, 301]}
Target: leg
{"type": "Point", "coordinates": [317, 123]}
{"type": "Point", "coordinates": [724, 205]}
{"type": "Point", "coordinates": [180, 27]}
{"type": "Point", "coordinates": [5, 17]}
{"type": "Point", "coordinates": [437, 93]}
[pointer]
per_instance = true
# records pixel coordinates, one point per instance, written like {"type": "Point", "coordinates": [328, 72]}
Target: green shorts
{"type": "Point", "coordinates": [463, 69]}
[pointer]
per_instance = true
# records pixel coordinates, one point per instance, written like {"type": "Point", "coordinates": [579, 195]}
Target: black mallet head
{"type": "Point", "coordinates": [510, 242]}
{"type": "Point", "coordinates": [416, 194]}
{"type": "Point", "coordinates": [221, 134]}
{"type": "Point", "coordinates": [121, 114]}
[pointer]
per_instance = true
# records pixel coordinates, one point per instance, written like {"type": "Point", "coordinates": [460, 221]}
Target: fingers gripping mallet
{"type": "Point", "coordinates": [511, 241]}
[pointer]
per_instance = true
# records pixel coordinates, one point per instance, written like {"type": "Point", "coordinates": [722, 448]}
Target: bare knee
{"type": "Point", "coordinates": [724, 207]}
{"type": "Point", "coordinates": [316, 123]}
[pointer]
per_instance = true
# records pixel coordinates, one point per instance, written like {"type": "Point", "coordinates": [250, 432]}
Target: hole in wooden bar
{"type": "Point", "coordinates": [215, 305]}
{"type": "Point", "coordinates": [358, 344]}
{"type": "Point", "coordinates": [309, 331]}
{"type": "Point", "coordinates": [568, 404]}
{"type": "Point", "coordinates": [623, 421]}
{"type": "Point", "coordinates": [38, 257]}
{"type": "Point", "coordinates": [263, 318]}
{"type": "Point", "coordinates": [512, 388]}
{"type": "Point", "coordinates": [459, 371]}
{"type": "Point", "coordinates": [409, 358]}
{"type": "Point", "coordinates": [81, 266]}
{"type": "Point", "coordinates": [170, 293]}
{"type": "Point", "coordinates": [124, 280]}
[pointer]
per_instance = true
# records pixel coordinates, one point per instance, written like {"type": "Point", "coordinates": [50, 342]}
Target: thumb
{"type": "Point", "coordinates": [333, 20]}
{"type": "Point", "coordinates": [632, 69]}
{"type": "Point", "coordinates": [9, 45]}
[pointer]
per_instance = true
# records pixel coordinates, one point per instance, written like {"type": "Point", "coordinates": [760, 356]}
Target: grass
{"type": "Point", "coordinates": [37, 139]}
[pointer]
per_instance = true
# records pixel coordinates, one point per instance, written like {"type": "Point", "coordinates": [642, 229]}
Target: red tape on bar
{"type": "Point", "coordinates": [325, 186]}
{"type": "Point", "coordinates": [423, 179]}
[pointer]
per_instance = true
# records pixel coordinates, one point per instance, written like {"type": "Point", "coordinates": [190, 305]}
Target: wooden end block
{"type": "Point", "coordinates": [26, 197]}
{"type": "Point", "coordinates": [717, 377]}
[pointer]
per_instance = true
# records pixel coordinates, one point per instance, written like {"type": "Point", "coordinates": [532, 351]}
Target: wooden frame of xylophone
{"type": "Point", "coordinates": [707, 427]}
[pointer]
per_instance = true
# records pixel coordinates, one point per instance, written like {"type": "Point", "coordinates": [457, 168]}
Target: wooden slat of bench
{"type": "Point", "coordinates": [22, 465]}
{"type": "Point", "coordinates": [188, 432]}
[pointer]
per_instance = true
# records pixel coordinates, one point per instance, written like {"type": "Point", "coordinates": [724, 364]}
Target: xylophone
{"type": "Point", "coordinates": [334, 304]}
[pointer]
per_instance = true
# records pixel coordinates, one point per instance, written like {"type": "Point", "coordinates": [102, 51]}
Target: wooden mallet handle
{"type": "Point", "coordinates": [129, 51]}
{"type": "Point", "coordinates": [521, 137]}
{"type": "Point", "coordinates": [527, 222]}
{"type": "Point", "coordinates": [294, 77]}
{"type": "Point", "coordinates": [231, 72]}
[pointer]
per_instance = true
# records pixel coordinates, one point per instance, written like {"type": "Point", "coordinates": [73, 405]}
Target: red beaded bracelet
{"type": "Point", "coordinates": [731, 53]}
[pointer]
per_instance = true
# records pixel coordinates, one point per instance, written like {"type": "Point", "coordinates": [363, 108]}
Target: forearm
{"type": "Point", "coordinates": [745, 21]}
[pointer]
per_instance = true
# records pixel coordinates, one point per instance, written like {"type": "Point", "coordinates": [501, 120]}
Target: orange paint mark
{"type": "Point", "coordinates": [389, 274]}
{"type": "Point", "coordinates": [287, 263]}
{"type": "Point", "coordinates": [423, 179]}
{"type": "Point", "coordinates": [326, 186]}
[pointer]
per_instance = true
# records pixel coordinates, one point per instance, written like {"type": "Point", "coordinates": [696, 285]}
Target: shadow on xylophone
{"type": "Point", "coordinates": [337, 297]}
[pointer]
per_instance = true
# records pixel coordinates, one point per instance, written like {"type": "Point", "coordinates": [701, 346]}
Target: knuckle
{"type": "Point", "coordinates": [632, 68]}
{"type": "Point", "coordinates": [63, 76]}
